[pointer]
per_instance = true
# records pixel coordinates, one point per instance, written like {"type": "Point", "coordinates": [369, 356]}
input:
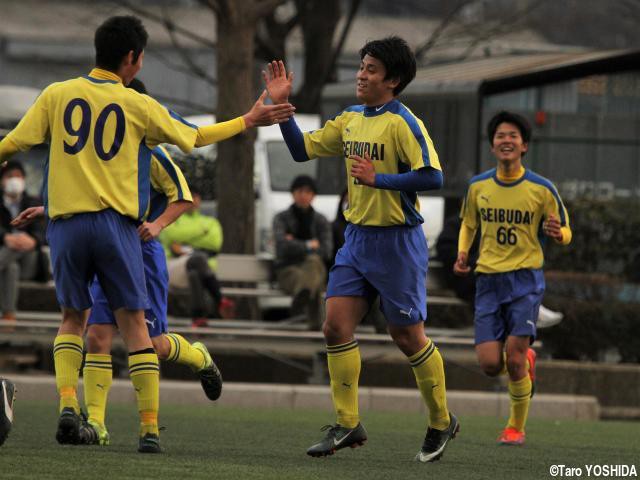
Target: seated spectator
{"type": "Point", "coordinates": [191, 244]}
{"type": "Point", "coordinates": [303, 246]}
{"type": "Point", "coordinates": [20, 255]}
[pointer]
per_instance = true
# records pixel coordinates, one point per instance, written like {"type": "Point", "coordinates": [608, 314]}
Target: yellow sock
{"type": "Point", "coordinates": [183, 352]}
{"type": "Point", "coordinates": [97, 374]}
{"type": "Point", "coordinates": [67, 358]}
{"type": "Point", "coordinates": [520, 394]}
{"type": "Point", "coordinates": [429, 372]}
{"type": "Point", "coordinates": [144, 371]}
{"type": "Point", "coordinates": [344, 371]}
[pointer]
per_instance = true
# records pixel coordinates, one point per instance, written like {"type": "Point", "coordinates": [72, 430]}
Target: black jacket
{"type": "Point", "coordinates": [36, 229]}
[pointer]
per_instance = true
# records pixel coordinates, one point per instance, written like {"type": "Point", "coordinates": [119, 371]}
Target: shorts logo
{"type": "Point", "coordinates": [531, 323]}
{"type": "Point", "coordinates": [151, 322]}
{"type": "Point", "coordinates": [404, 312]}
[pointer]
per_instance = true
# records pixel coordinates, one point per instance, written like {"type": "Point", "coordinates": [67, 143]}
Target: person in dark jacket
{"type": "Point", "coordinates": [303, 248]}
{"type": "Point", "coordinates": [20, 252]}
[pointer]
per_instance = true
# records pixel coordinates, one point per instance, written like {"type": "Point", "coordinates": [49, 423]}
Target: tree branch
{"type": "Point", "coordinates": [421, 50]}
{"type": "Point", "coordinates": [264, 7]}
{"type": "Point", "coordinates": [156, 18]}
{"type": "Point", "coordinates": [186, 58]}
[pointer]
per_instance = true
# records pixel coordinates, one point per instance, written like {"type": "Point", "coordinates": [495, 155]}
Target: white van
{"type": "Point", "coordinates": [274, 170]}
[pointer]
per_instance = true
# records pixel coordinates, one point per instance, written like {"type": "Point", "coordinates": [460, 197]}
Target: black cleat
{"type": "Point", "coordinates": [337, 438]}
{"type": "Point", "coordinates": [7, 397]}
{"type": "Point", "coordinates": [210, 376]}
{"type": "Point", "coordinates": [436, 441]}
{"type": "Point", "coordinates": [68, 427]}
{"type": "Point", "coordinates": [149, 443]}
{"type": "Point", "coordinates": [73, 429]}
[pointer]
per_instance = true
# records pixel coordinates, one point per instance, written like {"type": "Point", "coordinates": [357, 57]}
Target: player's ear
{"type": "Point", "coordinates": [525, 147]}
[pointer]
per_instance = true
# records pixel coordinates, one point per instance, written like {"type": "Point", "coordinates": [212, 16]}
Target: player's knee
{"type": "Point", "coordinates": [333, 332]}
{"type": "Point", "coordinates": [491, 368]}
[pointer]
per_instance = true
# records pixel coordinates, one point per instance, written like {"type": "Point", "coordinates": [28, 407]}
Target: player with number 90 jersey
{"type": "Point", "coordinates": [101, 136]}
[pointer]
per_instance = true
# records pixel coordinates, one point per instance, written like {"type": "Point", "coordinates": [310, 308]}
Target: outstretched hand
{"type": "Point", "coordinates": [277, 81]}
{"type": "Point", "coordinates": [362, 169]}
{"type": "Point", "coordinates": [261, 115]}
{"type": "Point", "coordinates": [26, 217]}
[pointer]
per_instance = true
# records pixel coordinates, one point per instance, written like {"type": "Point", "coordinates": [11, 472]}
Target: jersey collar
{"type": "Point", "coordinates": [99, 75]}
{"type": "Point", "coordinates": [510, 181]}
{"type": "Point", "coordinates": [380, 109]}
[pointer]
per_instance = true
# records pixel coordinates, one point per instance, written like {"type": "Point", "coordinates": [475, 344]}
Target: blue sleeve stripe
{"type": "Point", "coordinates": [175, 116]}
{"type": "Point", "coordinates": [144, 180]}
{"type": "Point", "coordinates": [294, 138]}
{"type": "Point", "coordinates": [417, 133]}
{"type": "Point", "coordinates": [539, 180]}
{"type": "Point", "coordinates": [169, 168]}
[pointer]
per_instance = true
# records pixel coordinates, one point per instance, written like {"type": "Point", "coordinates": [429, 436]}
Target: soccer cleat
{"type": "Point", "coordinates": [149, 443]}
{"type": "Point", "coordinates": [198, 322]}
{"type": "Point", "coordinates": [337, 438]}
{"type": "Point", "coordinates": [73, 429]}
{"type": "Point", "coordinates": [100, 434]}
{"type": "Point", "coordinates": [531, 356]}
{"type": "Point", "coordinates": [7, 392]}
{"type": "Point", "coordinates": [68, 427]}
{"type": "Point", "coordinates": [210, 376]}
{"type": "Point", "coordinates": [436, 441]}
{"type": "Point", "coordinates": [511, 436]}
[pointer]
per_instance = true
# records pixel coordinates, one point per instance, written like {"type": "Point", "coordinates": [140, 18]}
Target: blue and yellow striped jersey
{"type": "Point", "coordinates": [101, 136]}
{"type": "Point", "coordinates": [509, 216]}
{"type": "Point", "coordinates": [168, 184]}
{"type": "Point", "coordinates": [395, 140]}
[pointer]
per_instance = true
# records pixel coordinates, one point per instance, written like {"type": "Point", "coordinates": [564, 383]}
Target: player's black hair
{"type": "Point", "coordinates": [509, 117]}
{"type": "Point", "coordinates": [397, 58]}
{"type": "Point", "coordinates": [116, 37]}
{"type": "Point", "coordinates": [138, 86]}
{"type": "Point", "coordinates": [10, 166]}
{"type": "Point", "coordinates": [303, 181]}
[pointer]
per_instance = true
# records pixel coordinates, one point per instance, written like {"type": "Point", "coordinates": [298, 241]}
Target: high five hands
{"type": "Point", "coordinates": [261, 115]}
{"type": "Point", "coordinates": [278, 82]}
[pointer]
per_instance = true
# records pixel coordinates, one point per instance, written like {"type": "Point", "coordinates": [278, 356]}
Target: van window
{"type": "Point", "coordinates": [329, 173]}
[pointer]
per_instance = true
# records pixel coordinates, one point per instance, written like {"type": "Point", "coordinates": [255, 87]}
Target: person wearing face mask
{"type": "Point", "coordinates": [20, 254]}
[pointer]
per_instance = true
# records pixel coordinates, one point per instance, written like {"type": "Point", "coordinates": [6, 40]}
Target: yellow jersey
{"type": "Point", "coordinates": [510, 217]}
{"type": "Point", "coordinates": [168, 184]}
{"type": "Point", "coordinates": [395, 140]}
{"type": "Point", "coordinates": [101, 136]}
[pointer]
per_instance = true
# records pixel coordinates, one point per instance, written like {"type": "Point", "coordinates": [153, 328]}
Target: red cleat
{"type": "Point", "coordinates": [511, 436]}
{"type": "Point", "coordinates": [531, 357]}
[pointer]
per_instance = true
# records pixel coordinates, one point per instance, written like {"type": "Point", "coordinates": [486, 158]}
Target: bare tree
{"type": "Point", "coordinates": [236, 24]}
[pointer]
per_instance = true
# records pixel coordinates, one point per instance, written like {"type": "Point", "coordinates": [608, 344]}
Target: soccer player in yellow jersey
{"type": "Point", "coordinates": [515, 210]}
{"type": "Point", "coordinates": [389, 158]}
{"type": "Point", "coordinates": [96, 189]}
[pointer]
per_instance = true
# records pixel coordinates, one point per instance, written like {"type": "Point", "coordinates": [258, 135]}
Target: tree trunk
{"type": "Point", "coordinates": [234, 164]}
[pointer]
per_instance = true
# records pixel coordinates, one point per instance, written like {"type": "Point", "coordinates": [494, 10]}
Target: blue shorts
{"type": "Point", "coordinates": [157, 280]}
{"type": "Point", "coordinates": [389, 261]}
{"type": "Point", "coordinates": [103, 244]}
{"type": "Point", "coordinates": [507, 304]}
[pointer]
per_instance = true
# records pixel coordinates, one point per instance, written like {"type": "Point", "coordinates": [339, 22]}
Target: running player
{"type": "Point", "coordinates": [389, 158]}
{"type": "Point", "coordinates": [97, 186]}
{"type": "Point", "coordinates": [514, 209]}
